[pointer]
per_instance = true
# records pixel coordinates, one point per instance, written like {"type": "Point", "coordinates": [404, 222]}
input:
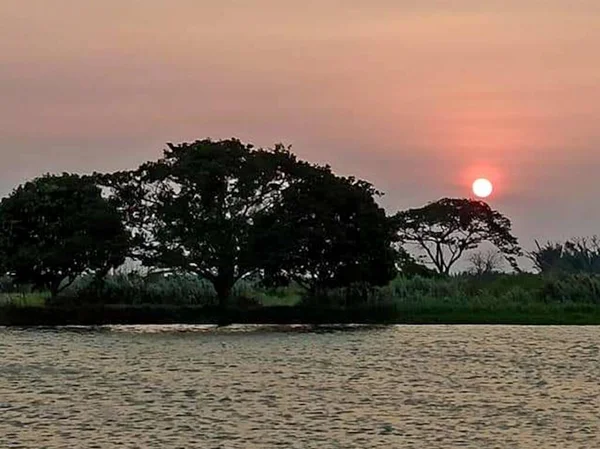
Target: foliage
{"type": "Point", "coordinates": [32, 299]}
{"type": "Point", "coordinates": [408, 266]}
{"type": "Point", "coordinates": [195, 210]}
{"type": "Point", "coordinates": [494, 290]}
{"type": "Point", "coordinates": [572, 288]}
{"type": "Point", "coordinates": [168, 289]}
{"type": "Point", "coordinates": [578, 255]}
{"type": "Point", "coordinates": [485, 262]}
{"type": "Point", "coordinates": [327, 232]}
{"type": "Point", "coordinates": [446, 229]}
{"type": "Point", "coordinates": [54, 228]}
{"type": "Point", "coordinates": [492, 298]}
{"type": "Point", "coordinates": [223, 223]}
{"type": "Point", "coordinates": [133, 288]}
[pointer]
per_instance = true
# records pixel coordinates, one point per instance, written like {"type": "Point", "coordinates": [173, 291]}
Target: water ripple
{"type": "Point", "coordinates": [294, 387]}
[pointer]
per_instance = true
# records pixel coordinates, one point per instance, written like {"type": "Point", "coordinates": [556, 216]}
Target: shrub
{"type": "Point", "coordinates": [584, 288]}
{"type": "Point", "coordinates": [134, 288]}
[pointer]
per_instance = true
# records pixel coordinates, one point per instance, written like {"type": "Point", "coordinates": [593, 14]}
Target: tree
{"type": "Point", "coordinates": [328, 232]}
{"type": "Point", "coordinates": [577, 255]}
{"type": "Point", "coordinates": [195, 209]}
{"type": "Point", "coordinates": [444, 230]}
{"type": "Point", "coordinates": [485, 262]}
{"type": "Point", "coordinates": [548, 257]}
{"type": "Point", "coordinates": [409, 267]}
{"type": "Point", "coordinates": [55, 228]}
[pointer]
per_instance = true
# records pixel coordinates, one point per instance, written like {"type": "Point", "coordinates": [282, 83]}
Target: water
{"type": "Point", "coordinates": [396, 387]}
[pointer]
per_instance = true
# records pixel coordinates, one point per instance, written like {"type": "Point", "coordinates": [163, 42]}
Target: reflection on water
{"type": "Point", "coordinates": [289, 387]}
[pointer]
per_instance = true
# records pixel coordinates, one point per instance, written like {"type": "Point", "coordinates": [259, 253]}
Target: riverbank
{"type": "Point", "coordinates": [526, 314]}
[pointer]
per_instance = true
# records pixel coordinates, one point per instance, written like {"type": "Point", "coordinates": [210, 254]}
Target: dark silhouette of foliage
{"type": "Point", "coordinates": [446, 229]}
{"type": "Point", "coordinates": [578, 255]}
{"type": "Point", "coordinates": [54, 228]}
{"type": "Point", "coordinates": [195, 209]}
{"type": "Point", "coordinates": [547, 257]}
{"type": "Point", "coordinates": [328, 232]}
{"type": "Point", "coordinates": [409, 267]}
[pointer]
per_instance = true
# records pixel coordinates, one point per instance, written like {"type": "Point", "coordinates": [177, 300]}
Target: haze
{"type": "Point", "coordinates": [418, 97]}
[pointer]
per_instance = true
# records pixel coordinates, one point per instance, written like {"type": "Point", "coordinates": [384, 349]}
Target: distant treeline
{"type": "Point", "coordinates": [226, 212]}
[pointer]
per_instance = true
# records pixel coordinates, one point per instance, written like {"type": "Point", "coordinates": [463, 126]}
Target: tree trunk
{"type": "Point", "coordinates": [55, 288]}
{"type": "Point", "coordinates": [223, 294]}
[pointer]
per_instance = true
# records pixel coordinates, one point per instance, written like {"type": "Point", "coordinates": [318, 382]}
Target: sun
{"type": "Point", "coordinates": [483, 188]}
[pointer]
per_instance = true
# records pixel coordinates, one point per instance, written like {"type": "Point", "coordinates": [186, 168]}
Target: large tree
{"type": "Point", "coordinates": [195, 209]}
{"type": "Point", "coordinates": [55, 228]}
{"type": "Point", "coordinates": [327, 232]}
{"type": "Point", "coordinates": [444, 230]}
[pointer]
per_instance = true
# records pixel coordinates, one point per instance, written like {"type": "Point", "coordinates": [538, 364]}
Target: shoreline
{"type": "Point", "coordinates": [97, 315]}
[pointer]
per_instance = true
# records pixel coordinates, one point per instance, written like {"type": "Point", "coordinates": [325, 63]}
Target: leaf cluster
{"type": "Point", "coordinates": [56, 227]}
{"type": "Point", "coordinates": [446, 229]}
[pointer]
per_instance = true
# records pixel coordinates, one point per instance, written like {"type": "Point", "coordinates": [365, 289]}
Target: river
{"type": "Point", "coordinates": [259, 387]}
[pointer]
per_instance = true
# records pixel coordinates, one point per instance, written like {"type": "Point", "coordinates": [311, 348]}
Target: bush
{"type": "Point", "coordinates": [579, 288]}
{"type": "Point", "coordinates": [490, 291]}
{"type": "Point", "coordinates": [153, 289]}
{"type": "Point", "coordinates": [135, 289]}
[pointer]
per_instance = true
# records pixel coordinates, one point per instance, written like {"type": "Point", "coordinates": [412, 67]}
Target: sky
{"type": "Point", "coordinates": [419, 97]}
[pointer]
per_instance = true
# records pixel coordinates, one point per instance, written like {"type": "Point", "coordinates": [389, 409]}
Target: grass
{"type": "Point", "coordinates": [497, 299]}
{"type": "Point", "coordinates": [34, 299]}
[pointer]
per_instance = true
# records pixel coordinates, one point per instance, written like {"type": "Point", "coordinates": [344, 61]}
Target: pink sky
{"type": "Point", "coordinates": [418, 97]}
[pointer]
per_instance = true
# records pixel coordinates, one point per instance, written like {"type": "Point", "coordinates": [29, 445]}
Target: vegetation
{"type": "Point", "coordinates": [55, 228]}
{"type": "Point", "coordinates": [578, 255]}
{"type": "Point", "coordinates": [446, 229]}
{"type": "Point", "coordinates": [498, 298]}
{"type": "Point", "coordinates": [196, 209]}
{"type": "Point", "coordinates": [222, 231]}
{"type": "Point", "coordinates": [327, 232]}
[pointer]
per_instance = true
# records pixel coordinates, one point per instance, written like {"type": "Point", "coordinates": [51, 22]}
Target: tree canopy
{"type": "Point", "coordinates": [195, 209]}
{"type": "Point", "coordinates": [225, 210]}
{"type": "Point", "coordinates": [328, 232]}
{"type": "Point", "coordinates": [54, 228]}
{"type": "Point", "coordinates": [577, 255]}
{"type": "Point", "coordinates": [444, 230]}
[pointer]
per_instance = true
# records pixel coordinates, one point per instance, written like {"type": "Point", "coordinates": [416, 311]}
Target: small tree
{"type": "Point", "coordinates": [195, 210]}
{"type": "Point", "coordinates": [408, 266]}
{"type": "Point", "coordinates": [485, 262]}
{"type": "Point", "coordinates": [548, 257]}
{"type": "Point", "coordinates": [444, 230]}
{"type": "Point", "coordinates": [55, 228]}
{"type": "Point", "coordinates": [328, 232]}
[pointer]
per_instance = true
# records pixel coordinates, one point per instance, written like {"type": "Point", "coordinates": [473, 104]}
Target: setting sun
{"type": "Point", "coordinates": [482, 188]}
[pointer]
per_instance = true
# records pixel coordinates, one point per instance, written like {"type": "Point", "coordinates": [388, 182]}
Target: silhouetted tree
{"type": "Point", "coordinates": [485, 262]}
{"type": "Point", "coordinates": [409, 267]}
{"type": "Point", "coordinates": [195, 209]}
{"type": "Point", "coordinates": [547, 257]}
{"type": "Point", "coordinates": [577, 255]}
{"type": "Point", "coordinates": [54, 228]}
{"type": "Point", "coordinates": [328, 232]}
{"type": "Point", "coordinates": [446, 229]}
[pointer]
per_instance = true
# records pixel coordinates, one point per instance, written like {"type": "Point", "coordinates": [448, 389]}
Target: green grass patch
{"type": "Point", "coordinates": [34, 299]}
{"type": "Point", "coordinates": [495, 299]}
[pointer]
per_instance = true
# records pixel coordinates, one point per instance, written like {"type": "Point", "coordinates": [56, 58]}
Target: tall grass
{"type": "Point", "coordinates": [493, 292]}
{"type": "Point", "coordinates": [499, 299]}
{"type": "Point", "coordinates": [178, 290]}
{"type": "Point", "coordinates": [32, 299]}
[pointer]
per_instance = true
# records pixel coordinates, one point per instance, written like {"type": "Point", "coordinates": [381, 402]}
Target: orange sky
{"type": "Point", "coordinates": [419, 97]}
